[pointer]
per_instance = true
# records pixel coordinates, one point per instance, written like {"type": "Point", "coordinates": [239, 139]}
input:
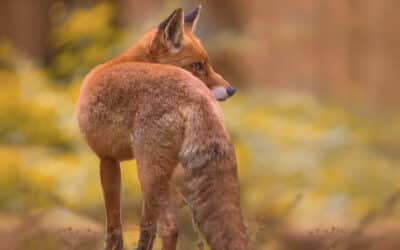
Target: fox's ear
{"type": "Point", "coordinates": [192, 17]}
{"type": "Point", "coordinates": [171, 29]}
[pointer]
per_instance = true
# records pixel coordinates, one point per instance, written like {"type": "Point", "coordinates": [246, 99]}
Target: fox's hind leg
{"type": "Point", "coordinates": [154, 181]}
{"type": "Point", "coordinates": [110, 175]}
{"type": "Point", "coordinates": [156, 147]}
{"type": "Point", "coordinates": [168, 229]}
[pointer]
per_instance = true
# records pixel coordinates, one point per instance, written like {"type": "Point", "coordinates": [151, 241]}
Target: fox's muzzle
{"type": "Point", "coordinates": [222, 93]}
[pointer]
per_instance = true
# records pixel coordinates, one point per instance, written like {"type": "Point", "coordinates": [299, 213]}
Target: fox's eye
{"type": "Point", "coordinates": [197, 66]}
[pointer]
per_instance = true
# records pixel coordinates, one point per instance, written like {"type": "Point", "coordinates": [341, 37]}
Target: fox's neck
{"type": "Point", "coordinates": [139, 52]}
{"type": "Point", "coordinates": [215, 203]}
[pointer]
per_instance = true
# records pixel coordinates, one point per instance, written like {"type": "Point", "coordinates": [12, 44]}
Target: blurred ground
{"type": "Point", "coordinates": [318, 170]}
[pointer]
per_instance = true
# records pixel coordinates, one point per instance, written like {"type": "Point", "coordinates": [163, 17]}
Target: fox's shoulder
{"type": "Point", "coordinates": [167, 83]}
{"type": "Point", "coordinates": [141, 71]}
{"type": "Point", "coordinates": [146, 69]}
{"type": "Point", "coordinates": [137, 67]}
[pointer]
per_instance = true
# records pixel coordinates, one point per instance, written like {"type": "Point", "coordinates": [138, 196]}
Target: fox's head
{"type": "Point", "coordinates": [175, 43]}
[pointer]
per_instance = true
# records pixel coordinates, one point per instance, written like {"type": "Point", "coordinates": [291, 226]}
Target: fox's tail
{"type": "Point", "coordinates": [208, 158]}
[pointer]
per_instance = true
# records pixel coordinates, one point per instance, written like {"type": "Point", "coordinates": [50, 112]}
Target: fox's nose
{"type": "Point", "coordinates": [231, 91]}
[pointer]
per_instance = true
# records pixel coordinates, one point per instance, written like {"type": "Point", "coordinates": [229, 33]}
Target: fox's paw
{"type": "Point", "coordinates": [146, 239]}
{"type": "Point", "coordinates": [114, 241]}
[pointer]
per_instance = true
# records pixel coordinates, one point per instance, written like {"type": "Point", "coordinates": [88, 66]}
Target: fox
{"type": "Point", "coordinates": [158, 103]}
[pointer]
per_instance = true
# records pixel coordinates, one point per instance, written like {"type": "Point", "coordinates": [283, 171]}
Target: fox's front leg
{"type": "Point", "coordinates": [110, 174]}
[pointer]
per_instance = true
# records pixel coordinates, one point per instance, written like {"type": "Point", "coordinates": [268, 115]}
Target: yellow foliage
{"type": "Point", "coordinates": [286, 144]}
{"type": "Point", "coordinates": [92, 22]}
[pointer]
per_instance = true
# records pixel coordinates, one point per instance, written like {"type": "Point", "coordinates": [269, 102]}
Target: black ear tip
{"type": "Point", "coordinates": [191, 16]}
{"type": "Point", "coordinates": [178, 11]}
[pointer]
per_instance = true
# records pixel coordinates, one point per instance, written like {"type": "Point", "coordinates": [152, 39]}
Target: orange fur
{"type": "Point", "coordinates": [141, 105]}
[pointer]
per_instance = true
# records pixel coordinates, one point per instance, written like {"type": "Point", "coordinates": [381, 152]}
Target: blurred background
{"type": "Point", "coordinates": [316, 121]}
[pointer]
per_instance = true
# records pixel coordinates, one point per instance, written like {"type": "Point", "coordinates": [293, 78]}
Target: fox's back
{"type": "Point", "coordinates": [114, 94]}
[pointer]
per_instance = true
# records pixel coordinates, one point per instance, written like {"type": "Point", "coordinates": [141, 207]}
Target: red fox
{"type": "Point", "coordinates": [154, 103]}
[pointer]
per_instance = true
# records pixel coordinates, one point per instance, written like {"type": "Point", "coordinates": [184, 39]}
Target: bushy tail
{"type": "Point", "coordinates": [208, 158]}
